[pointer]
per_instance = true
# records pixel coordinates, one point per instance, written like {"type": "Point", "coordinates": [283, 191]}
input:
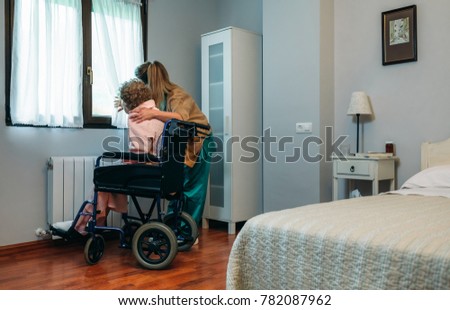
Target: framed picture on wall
{"type": "Point", "coordinates": [399, 31]}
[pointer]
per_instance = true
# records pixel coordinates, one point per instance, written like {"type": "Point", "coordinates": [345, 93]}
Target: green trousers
{"type": "Point", "coordinates": [196, 182]}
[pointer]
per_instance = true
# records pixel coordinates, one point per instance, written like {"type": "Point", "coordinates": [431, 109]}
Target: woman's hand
{"type": "Point", "coordinates": [118, 104]}
{"type": "Point", "coordinates": [141, 114]}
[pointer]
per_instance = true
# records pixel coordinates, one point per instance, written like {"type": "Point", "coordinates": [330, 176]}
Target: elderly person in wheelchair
{"type": "Point", "coordinates": [153, 169]}
{"type": "Point", "coordinates": [143, 138]}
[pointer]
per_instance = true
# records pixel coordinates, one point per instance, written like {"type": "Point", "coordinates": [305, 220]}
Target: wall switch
{"type": "Point", "coordinates": [303, 127]}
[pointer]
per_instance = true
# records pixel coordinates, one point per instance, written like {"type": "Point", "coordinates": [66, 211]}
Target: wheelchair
{"type": "Point", "coordinates": [154, 237]}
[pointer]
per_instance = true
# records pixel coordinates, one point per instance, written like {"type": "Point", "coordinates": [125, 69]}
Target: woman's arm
{"type": "Point", "coordinates": [141, 114]}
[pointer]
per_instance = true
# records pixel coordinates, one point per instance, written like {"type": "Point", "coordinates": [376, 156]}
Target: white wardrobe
{"type": "Point", "coordinates": [232, 101]}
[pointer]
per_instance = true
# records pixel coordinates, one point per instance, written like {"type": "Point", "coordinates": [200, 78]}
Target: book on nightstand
{"type": "Point", "coordinates": [375, 155]}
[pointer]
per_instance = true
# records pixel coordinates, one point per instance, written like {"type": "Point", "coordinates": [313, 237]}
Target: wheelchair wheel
{"type": "Point", "coordinates": [93, 249]}
{"type": "Point", "coordinates": [184, 228]}
{"type": "Point", "coordinates": [155, 245]}
{"type": "Point", "coordinates": [129, 231]}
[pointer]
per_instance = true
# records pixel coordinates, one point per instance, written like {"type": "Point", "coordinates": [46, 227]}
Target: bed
{"type": "Point", "coordinates": [395, 240]}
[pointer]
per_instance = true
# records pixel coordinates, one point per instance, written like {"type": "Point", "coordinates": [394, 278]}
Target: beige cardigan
{"type": "Point", "coordinates": [179, 101]}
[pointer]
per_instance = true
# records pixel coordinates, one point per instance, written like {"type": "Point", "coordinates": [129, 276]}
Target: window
{"type": "Point", "coordinates": [66, 58]}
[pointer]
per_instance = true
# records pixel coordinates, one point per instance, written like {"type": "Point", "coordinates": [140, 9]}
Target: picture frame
{"type": "Point", "coordinates": [399, 35]}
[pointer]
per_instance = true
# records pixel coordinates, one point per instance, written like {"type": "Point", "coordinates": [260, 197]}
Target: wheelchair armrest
{"type": "Point", "coordinates": [140, 157]}
{"type": "Point", "coordinates": [185, 129]}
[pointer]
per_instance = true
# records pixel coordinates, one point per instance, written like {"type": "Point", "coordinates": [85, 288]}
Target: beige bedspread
{"type": "Point", "coordinates": [377, 242]}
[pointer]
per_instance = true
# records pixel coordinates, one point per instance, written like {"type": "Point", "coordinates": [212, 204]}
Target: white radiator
{"type": "Point", "coordinates": [70, 183]}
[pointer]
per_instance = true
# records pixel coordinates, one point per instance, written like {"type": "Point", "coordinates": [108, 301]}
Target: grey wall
{"type": "Point", "coordinates": [245, 14]}
{"type": "Point", "coordinates": [297, 87]}
{"type": "Point", "coordinates": [410, 100]}
{"type": "Point", "coordinates": [175, 27]}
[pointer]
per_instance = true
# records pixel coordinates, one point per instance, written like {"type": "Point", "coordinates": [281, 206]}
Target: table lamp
{"type": "Point", "coordinates": [359, 105]}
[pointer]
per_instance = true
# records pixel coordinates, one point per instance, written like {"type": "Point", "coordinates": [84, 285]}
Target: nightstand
{"type": "Point", "coordinates": [362, 167]}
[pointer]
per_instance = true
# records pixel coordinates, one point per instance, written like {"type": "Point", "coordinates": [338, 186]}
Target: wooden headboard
{"type": "Point", "coordinates": [435, 154]}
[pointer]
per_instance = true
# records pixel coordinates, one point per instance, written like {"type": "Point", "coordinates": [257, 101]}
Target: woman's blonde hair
{"type": "Point", "coordinates": [157, 78]}
{"type": "Point", "coordinates": [134, 92]}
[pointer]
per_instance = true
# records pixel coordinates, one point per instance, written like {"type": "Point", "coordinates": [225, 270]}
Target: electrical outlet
{"type": "Point", "coordinates": [303, 127]}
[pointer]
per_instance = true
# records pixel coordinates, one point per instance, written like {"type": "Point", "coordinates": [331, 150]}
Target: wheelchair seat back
{"type": "Point", "coordinates": [175, 139]}
{"type": "Point", "coordinates": [164, 177]}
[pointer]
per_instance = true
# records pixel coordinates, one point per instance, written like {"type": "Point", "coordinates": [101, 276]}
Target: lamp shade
{"type": "Point", "coordinates": [359, 104]}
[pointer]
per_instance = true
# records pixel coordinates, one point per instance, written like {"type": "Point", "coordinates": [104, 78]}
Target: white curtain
{"type": "Point", "coordinates": [116, 46]}
{"type": "Point", "coordinates": [47, 57]}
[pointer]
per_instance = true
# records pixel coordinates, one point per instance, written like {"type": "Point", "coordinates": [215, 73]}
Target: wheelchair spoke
{"type": "Point", "coordinates": [155, 246]}
{"type": "Point", "coordinates": [184, 228]}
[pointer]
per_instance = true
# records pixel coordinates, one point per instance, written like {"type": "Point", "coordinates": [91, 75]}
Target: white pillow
{"type": "Point", "coordinates": [437, 176]}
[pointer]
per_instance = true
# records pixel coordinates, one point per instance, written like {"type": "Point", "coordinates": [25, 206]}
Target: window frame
{"type": "Point", "coordinates": [89, 121]}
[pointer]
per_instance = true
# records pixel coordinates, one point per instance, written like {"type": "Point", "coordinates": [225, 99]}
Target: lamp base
{"type": "Point", "coordinates": [357, 133]}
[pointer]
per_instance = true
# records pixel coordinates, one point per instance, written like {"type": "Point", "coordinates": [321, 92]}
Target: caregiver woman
{"type": "Point", "coordinates": [174, 102]}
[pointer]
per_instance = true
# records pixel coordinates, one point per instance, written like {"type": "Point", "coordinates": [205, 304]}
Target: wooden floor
{"type": "Point", "coordinates": [57, 265]}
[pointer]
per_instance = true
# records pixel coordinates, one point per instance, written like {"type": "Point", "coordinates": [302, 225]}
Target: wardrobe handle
{"type": "Point", "coordinates": [227, 125]}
